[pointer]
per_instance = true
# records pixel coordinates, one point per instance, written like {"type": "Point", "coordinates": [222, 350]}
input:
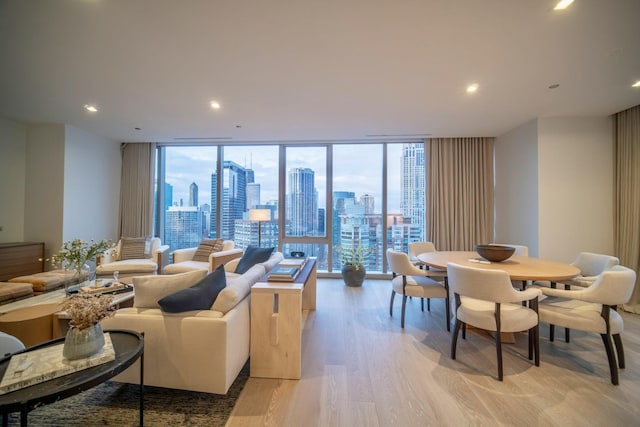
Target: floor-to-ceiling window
{"type": "Point", "coordinates": [309, 198]}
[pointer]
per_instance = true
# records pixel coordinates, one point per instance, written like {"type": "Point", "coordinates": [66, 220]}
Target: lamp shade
{"type": "Point", "coordinates": [259, 214]}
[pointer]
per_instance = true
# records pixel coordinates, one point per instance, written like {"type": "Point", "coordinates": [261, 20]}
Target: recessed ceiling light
{"type": "Point", "coordinates": [472, 87]}
{"type": "Point", "coordinates": [554, 86]}
{"type": "Point", "coordinates": [215, 105]}
{"type": "Point", "coordinates": [563, 4]}
{"type": "Point", "coordinates": [636, 84]}
{"type": "Point", "coordinates": [90, 108]}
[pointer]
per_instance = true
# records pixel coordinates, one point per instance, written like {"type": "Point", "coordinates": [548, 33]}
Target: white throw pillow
{"type": "Point", "coordinates": [149, 289]}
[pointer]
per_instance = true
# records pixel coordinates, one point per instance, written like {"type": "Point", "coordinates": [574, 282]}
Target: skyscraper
{"type": "Point", "coordinates": [302, 206]}
{"type": "Point", "coordinates": [183, 227]}
{"type": "Point", "coordinates": [234, 199]}
{"type": "Point", "coordinates": [193, 194]}
{"type": "Point", "coordinates": [412, 169]}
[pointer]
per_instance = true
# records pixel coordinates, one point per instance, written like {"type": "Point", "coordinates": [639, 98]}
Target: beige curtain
{"type": "Point", "coordinates": [459, 192]}
{"type": "Point", "coordinates": [136, 189]}
{"type": "Point", "coordinates": [626, 169]}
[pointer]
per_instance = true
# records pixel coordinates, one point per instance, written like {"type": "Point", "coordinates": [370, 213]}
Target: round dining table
{"type": "Point", "coordinates": [521, 268]}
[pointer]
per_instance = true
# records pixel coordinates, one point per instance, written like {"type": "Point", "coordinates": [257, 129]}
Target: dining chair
{"type": "Point", "coordinates": [417, 248]}
{"type": "Point", "coordinates": [486, 299]}
{"type": "Point", "coordinates": [591, 265]}
{"type": "Point", "coordinates": [593, 309]}
{"type": "Point", "coordinates": [409, 280]}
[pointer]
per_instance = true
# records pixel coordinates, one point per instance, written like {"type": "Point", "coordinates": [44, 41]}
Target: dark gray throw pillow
{"type": "Point", "coordinates": [198, 297]}
{"type": "Point", "coordinates": [252, 255]}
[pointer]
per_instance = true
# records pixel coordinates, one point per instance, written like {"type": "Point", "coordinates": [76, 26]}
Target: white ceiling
{"type": "Point", "coordinates": [313, 70]}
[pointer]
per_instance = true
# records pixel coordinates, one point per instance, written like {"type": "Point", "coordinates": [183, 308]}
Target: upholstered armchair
{"type": "Point", "coordinates": [593, 309]}
{"type": "Point", "coordinates": [134, 256]}
{"type": "Point", "coordinates": [487, 300]}
{"type": "Point", "coordinates": [189, 259]}
{"type": "Point", "coordinates": [417, 248]}
{"type": "Point", "coordinates": [409, 280]}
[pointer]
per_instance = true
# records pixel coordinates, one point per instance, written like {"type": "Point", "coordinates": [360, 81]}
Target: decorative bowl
{"type": "Point", "coordinates": [495, 253]}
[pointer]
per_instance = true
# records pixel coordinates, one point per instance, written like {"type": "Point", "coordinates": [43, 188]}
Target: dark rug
{"type": "Point", "coordinates": [116, 404]}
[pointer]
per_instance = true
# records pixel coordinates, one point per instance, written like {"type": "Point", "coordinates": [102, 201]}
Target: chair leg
{"type": "Point", "coordinates": [428, 304]}
{"type": "Point", "coordinates": [617, 340]}
{"type": "Point", "coordinates": [499, 354]}
{"type": "Point", "coordinates": [422, 304]}
{"type": "Point", "coordinates": [530, 337]}
{"type": "Point", "coordinates": [404, 306]}
{"type": "Point", "coordinates": [464, 331]}
{"type": "Point", "coordinates": [552, 332]}
{"type": "Point", "coordinates": [447, 310]}
{"type": "Point", "coordinates": [566, 334]}
{"type": "Point", "coordinates": [454, 337]}
{"type": "Point", "coordinates": [393, 295]}
{"type": "Point", "coordinates": [536, 345]}
{"type": "Point", "coordinates": [612, 363]}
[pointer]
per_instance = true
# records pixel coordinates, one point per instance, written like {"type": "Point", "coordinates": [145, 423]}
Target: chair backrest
{"type": "Point", "coordinates": [520, 250]}
{"type": "Point", "coordinates": [612, 287]}
{"type": "Point", "coordinates": [9, 344]}
{"type": "Point", "coordinates": [417, 248]}
{"type": "Point", "coordinates": [400, 264]}
{"type": "Point", "coordinates": [591, 264]}
{"type": "Point", "coordinates": [478, 283]}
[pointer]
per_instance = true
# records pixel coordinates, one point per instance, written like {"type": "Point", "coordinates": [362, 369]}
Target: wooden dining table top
{"type": "Point", "coordinates": [518, 267]}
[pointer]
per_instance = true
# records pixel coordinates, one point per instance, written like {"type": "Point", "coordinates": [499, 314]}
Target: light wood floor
{"type": "Point", "coordinates": [359, 368]}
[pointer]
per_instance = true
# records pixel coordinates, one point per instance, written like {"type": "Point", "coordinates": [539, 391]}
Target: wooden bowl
{"type": "Point", "coordinates": [495, 253]}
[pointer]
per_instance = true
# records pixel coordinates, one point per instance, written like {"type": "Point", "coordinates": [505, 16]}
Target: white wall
{"type": "Point", "coordinates": [576, 186]}
{"type": "Point", "coordinates": [13, 154]}
{"type": "Point", "coordinates": [554, 183]}
{"type": "Point", "coordinates": [516, 187]}
{"type": "Point", "coordinates": [44, 193]}
{"type": "Point", "coordinates": [92, 186]}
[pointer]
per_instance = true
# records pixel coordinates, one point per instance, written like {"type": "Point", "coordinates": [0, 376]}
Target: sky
{"type": "Point", "coordinates": [357, 168]}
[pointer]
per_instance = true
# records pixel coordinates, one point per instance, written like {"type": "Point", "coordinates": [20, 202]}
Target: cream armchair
{"type": "Point", "coordinates": [182, 259]}
{"type": "Point", "coordinates": [129, 260]}
{"type": "Point", "coordinates": [593, 309]}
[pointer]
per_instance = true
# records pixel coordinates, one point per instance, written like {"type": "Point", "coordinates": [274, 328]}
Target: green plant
{"type": "Point", "coordinates": [354, 255]}
{"type": "Point", "coordinates": [75, 253]}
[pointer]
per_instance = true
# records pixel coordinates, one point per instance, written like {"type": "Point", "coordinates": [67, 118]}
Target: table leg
{"type": "Point", "coordinates": [5, 419]}
{"type": "Point", "coordinates": [142, 386]}
{"type": "Point", "coordinates": [24, 414]}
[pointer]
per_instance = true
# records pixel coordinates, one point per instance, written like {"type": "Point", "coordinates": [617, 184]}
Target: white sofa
{"type": "Point", "coordinates": [153, 264]}
{"type": "Point", "coordinates": [200, 350]}
{"type": "Point", "coordinates": [182, 259]}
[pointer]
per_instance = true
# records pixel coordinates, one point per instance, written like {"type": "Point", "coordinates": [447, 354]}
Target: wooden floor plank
{"type": "Point", "coordinates": [360, 368]}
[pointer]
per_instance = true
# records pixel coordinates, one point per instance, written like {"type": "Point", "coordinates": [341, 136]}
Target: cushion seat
{"type": "Point", "coordinates": [43, 282]}
{"type": "Point", "coordinates": [10, 291]}
{"type": "Point", "coordinates": [141, 266]}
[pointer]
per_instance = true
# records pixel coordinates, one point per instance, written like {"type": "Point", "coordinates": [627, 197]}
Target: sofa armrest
{"type": "Point", "coordinates": [230, 266]}
{"type": "Point", "coordinates": [216, 259]}
{"type": "Point", "coordinates": [162, 258]}
{"type": "Point", "coordinates": [186, 254]}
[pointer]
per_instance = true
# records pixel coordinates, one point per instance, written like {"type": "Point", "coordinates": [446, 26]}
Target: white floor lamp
{"type": "Point", "coordinates": [259, 215]}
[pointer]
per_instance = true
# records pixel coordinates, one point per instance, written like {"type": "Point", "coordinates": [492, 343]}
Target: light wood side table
{"type": "Point", "coordinates": [276, 324]}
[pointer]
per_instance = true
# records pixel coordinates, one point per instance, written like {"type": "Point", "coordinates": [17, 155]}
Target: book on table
{"type": "Point", "coordinates": [283, 273]}
{"type": "Point", "coordinates": [293, 262]}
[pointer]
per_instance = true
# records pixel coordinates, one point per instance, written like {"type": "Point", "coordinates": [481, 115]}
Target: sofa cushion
{"type": "Point", "coordinates": [134, 247]}
{"type": "Point", "coordinates": [237, 289]}
{"type": "Point", "coordinates": [197, 297]}
{"type": "Point", "coordinates": [252, 256]}
{"type": "Point", "coordinates": [149, 289]}
{"type": "Point", "coordinates": [206, 247]}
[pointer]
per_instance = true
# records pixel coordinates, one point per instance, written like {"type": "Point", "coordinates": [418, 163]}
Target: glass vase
{"type": "Point", "coordinates": [81, 343]}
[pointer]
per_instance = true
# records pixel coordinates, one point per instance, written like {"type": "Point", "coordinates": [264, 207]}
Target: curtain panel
{"type": "Point", "coordinates": [459, 195]}
{"type": "Point", "coordinates": [136, 189]}
{"type": "Point", "coordinates": [626, 169]}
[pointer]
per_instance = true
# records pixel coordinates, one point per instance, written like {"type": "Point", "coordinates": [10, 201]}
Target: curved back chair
{"type": "Point", "coordinates": [487, 300]}
{"type": "Point", "coordinates": [591, 265]}
{"type": "Point", "coordinates": [409, 280]}
{"type": "Point", "coordinates": [417, 248]}
{"type": "Point", "coordinates": [520, 250]}
{"type": "Point", "coordinates": [593, 309]}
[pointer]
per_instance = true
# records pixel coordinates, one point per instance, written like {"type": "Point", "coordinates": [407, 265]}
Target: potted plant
{"type": "Point", "coordinates": [85, 336]}
{"type": "Point", "coordinates": [353, 263]}
{"type": "Point", "coordinates": [73, 257]}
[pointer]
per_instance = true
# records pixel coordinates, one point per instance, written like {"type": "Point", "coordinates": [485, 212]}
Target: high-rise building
{"type": "Point", "coordinates": [183, 227]}
{"type": "Point", "coordinates": [302, 203]}
{"type": "Point", "coordinates": [193, 194]}
{"type": "Point", "coordinates": [234, 199]}
{"type": "Point", "coordinates": [412, 171]}
{"type": "Point", "coordinates": [253, 195]}
{"type": "Point", "coordinates": [168, 195]}
{"type": "Point", "coordinates": [367, 200]}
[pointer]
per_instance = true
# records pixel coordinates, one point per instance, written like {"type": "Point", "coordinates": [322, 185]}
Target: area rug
{"type": "Point", "coordinates": [116, 404]}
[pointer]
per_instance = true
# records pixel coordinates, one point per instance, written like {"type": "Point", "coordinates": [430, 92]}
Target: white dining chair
{"type": "Point", "coordinates": [487, 300]}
